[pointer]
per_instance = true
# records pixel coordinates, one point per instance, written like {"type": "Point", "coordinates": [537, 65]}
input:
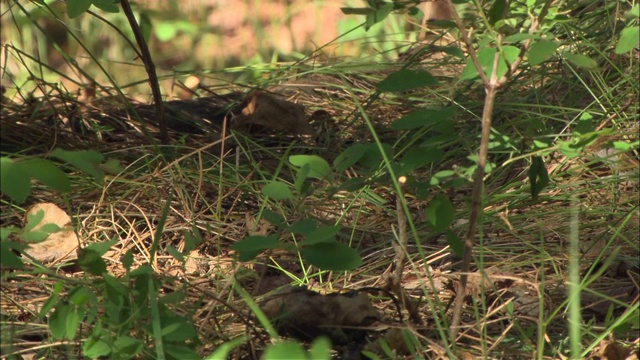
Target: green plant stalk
{"type": "Point", "coordinates": [575, 335]}
{"type": "Point", "coordinates": [438, 319]}
{"type": "Point", "coordinates": [155, 319]}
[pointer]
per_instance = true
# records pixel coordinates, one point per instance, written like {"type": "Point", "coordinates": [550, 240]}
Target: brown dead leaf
{"type": "Point", "coordinates": [265, 114]}
{"type": "Point", "coordinates": [57, 246]}
{"type": "Point", "coordinates": [305, 314]}
{"type": "Point", "coordinates": [612, 350]}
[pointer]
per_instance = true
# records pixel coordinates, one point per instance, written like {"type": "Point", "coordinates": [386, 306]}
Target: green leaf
{"type": "Point", "coordinates": [102, 247]}
{"type": "Point", "coordinates": [356, 11]}
{"type": "Point", "coordinates": [8, 259]}
{"type": "Point", "coordinates": [277, 190]}
{"type": "Point", "coordinates": [253, 245]}
{"type": "Point", "coordinates": [485, 56]}
{"type": "Point", "coordinates": [628, 39]}
{"type": "Point", "coordinates": [106, 5]}
{"type": "Point", "coordinates": [318, 167]}
{"type": "Point", "coordinates": [77, 7]}
{"type": "Point", "coordinates": [180, 352]}
{"type": "Point", "coordinates": [303, 226]}
{"type": "Point", "coordinates": [418, 157]}
{"type": "Point", "coordinates": [127, 346]}
{"type": "Point", "coordinates": [223, 350]}
{"type": "Point", "coordinates": [175, 253]}
{"type": "Point", "coordinates": [440, 176]}
{"type": "Point", "coordinates": [403, 80]}
{"type": "Point", "coordinates": [380, 14]}
{"type": "Point", "coordinates": [64, 322]}
{"type": "Point", "coordinates": [321, 234]}
{"type": "Point", "coordinates": [455, 243]}
{"type": "Point", "coordinates": [585, 124]}
{"type": "Point", "coordinates": [177, 329]}
{"type": "Point", "coordinates": [273, 218]}
{"type": "Point", "coordinates": [440, 212]}
{"type": "Point", "coordinates": [320, 349]}
{"type": "Point", "coordinates": [146, 26]}
{"type": "Point", "coordinates": [166, 30]}
{"type": "Point", "coordinates": [541, 50]}
{"type": "Point", "coordinates": [499, 10]}
{"type": "Point", "coordinates": [91, 261]}
{"type": "Point", "coordinates": [87, 161]}
{"type": "Point", "coordinates": [538, 176]}
{"type": "Point", "coordinates": [425, 117]}
{"type": "Point", "coordinates": [47, 173]}
{"type": "Point", "coordinates": [349, 157]}
{"type": "Point", "coordinates": [332, 256]}
{"type": "Point", "coordinates": [95, 349]}
{"type": "Point", "coordinates": [14, 180]}
{"type": "Point", "coordinates": [284, 350]}
{"type": "Point", "coordinates": [582, 61]}
{"type": "Point", "coordinates": [127, 260]}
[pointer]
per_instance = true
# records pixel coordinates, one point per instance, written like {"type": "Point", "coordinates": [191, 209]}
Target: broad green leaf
{"type": "Point", "coordinates": [372, 158]}
{"type": "Point", "coordinates": [301, 177]}
{"type": "Point", "coordinates": [95, 349]}
{"type": "Point", "coordinates": [349, 157]}
{"type": "Point", "coordinates": [440, 176]}
{"type": "Point", "coordinates": [177, 329]}
{"type": "Point", "coordinates": [180, 352]}
{"type": "Point", "coordinates": [106, 5]}
{"type": "Point", "coordinates": [251, 246]}
{"type": "Point", "coordinates": [321, 234]}
{"type": "Point", "coordinates": [77, 7]}
{"type": "Point", "coordinates": [284, 350]}
{"type": "Point", "coordinates": [303, 226]}
{"type": "Point", "coordinates": [541, 50]}
{"type": "Point", "coordinates": [146, 26]}
{"type": "Point", "coordinates": [175, 253]}
{"type": "Point", "coordinates": [510, 54]}
{"type": "Point", "coordinates": [332, 256]}
{"type": "Point", "coordinates": [418, 157]}
{"type": "Point", "coordinates": [353, 184]}
{"type": "Point", "coordinates": [14, 180]}
{"type": "Point", "coordinates": [320, 349]}
{"type": "Point", "coordinates": [403, 80]}
{"type": "Point", "coordinates": [8, 259]}
{"type": "Point", "coordinates": [585, 124]}
{"type": "Point", "coordinates": [87, 161]}
{"type": "Point", "coordinates": [498, 11]}
{"type": "Point", "coordinates": [424, 117]}
{"type": "Point", "coordinates": [538, 176]}
{"type": "Point", "coordinates": [582, 61]}
{"type": "Point", "coordinates": [628, 39]}
{"type": "Point", "coordinates": [455, 243]}
{"type": "Point", "coordinates": [112, 166]}
{"type": "Point", "coordinates": [380, 14]}
{"type": "Point", "coordinates": [102, 247]}
{"type": "Point", "coordinates": [485, 57]}
{"type": "Point", "coordinates": [127, 346]}
{"type": "Point", "coordinates": [47, 173]}
{"type": "Point", "coordinates": [277, 190]}
{"type": "Point", "coordinates": [318, 167]}
{"type": "Point", "coordinates": [440, 212]}
{"type": "Point", "coordinates": [273, 218]}
{"type": "Point", "coordinates": [127, 260]}
{"type": "Point", "coordinates": [91, 261]}
{"type": "Point", "coordinates": [165, 31]}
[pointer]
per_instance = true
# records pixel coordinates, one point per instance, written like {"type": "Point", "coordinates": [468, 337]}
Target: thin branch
{"type": "Point", "coordinates": [150, 68]}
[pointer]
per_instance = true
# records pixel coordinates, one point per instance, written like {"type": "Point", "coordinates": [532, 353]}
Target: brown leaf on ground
{"type": "Point", "coordinates": [58, 245]}
{"type": "Point", "coordinates": [266, 114]}
{"type": "Point", "coordinates": [305, 314]}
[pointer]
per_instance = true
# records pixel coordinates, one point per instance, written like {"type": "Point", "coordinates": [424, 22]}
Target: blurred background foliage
{"type": "Point", "coordinates": [217, 40]}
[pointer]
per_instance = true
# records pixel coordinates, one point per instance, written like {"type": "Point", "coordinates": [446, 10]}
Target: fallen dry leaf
{"type": "Point", "coordinates": [59, 245]}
